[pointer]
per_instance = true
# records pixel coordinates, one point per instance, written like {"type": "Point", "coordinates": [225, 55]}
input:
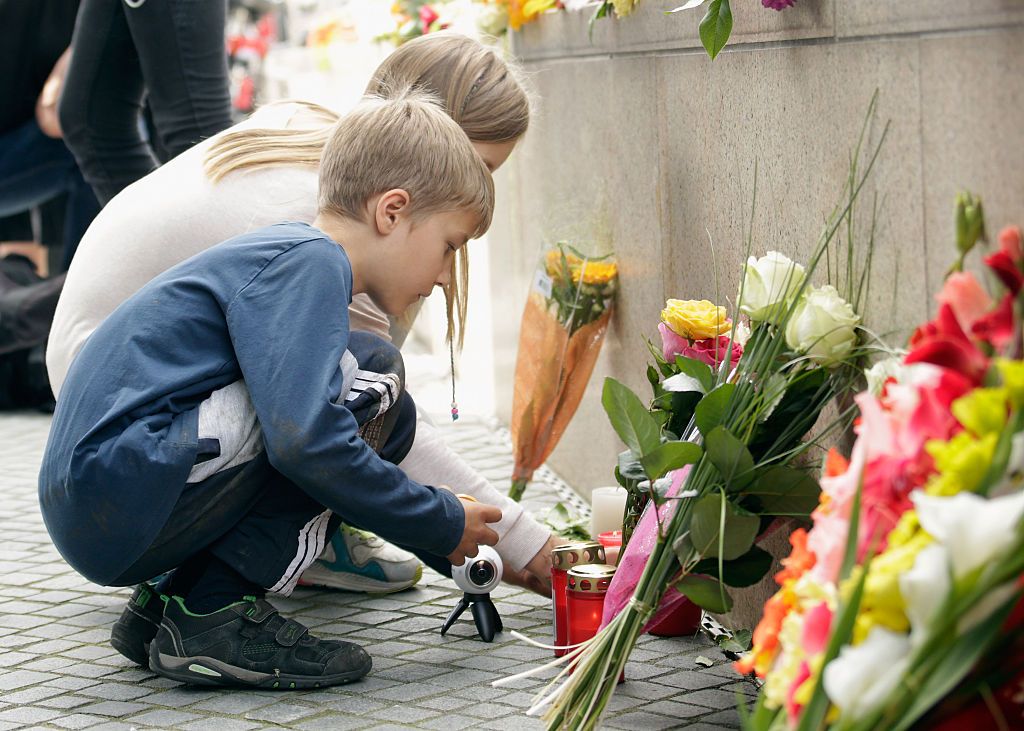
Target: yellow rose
{"type": "Point", "coordinates": [695, 319]}
{"type": "Point", "coordinates": [595, 272]}
{"type": "Point", "coordinates": [553, 262]}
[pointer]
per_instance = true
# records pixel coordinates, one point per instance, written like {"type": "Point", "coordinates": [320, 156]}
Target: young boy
{"type": "Point", "coordinates": [223, 420]}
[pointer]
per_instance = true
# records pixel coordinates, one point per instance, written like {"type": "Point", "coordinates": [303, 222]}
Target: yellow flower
{"type": "Point", "coordinates": [624, 7]}
{"type": "Point", "coordinates": [983, 410]}
{"type": "Point", "coordinates": [695, 319]}
{"type": "Point", "coordinates": [961, 463]}
{"type": "Point", "coordinates": [553, 262]}
{"type": "Point", "coordinates": [882, 602]}
{"type": "Point", "coordinates": [533, 8]}
{"type": "Point", "coordinates": [1012, 373]}
{"type": "Point", "coordinates": [595, 272]}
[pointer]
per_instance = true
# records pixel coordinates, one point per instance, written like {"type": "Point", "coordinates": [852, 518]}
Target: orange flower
{"type": "Point", "coordinates": [766, 635]}
{"type": "Point", "coordinates": [835, 463]}
{"type": "Point", "coordinates": [799, 561]}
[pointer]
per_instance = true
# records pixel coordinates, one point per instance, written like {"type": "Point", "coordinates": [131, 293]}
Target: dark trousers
{"type": "Point", "coordinates": [258, 522]}
{"type": "Point", "coordinates": [169, 50]}
{"type": "Point", "coordinates": [35, 168]}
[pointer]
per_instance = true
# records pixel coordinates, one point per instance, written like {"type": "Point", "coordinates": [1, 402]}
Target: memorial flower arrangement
{"type": "Point", "coordinates": [563, 326]}
{"type": "Point", "coordinates": [904, 603]}
{"type": "Point", "coordinates": [719, 448]}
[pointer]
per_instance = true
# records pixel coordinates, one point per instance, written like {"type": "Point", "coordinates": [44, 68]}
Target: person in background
{"type": "Point", "coordinates": [169, 53]}
{"type": "Point", "coordinates": [35, 164]}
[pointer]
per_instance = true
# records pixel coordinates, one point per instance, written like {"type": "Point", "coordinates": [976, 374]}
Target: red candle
{"type": "Point", "coordinates": [563, 558]}
{"type": "Point", "coordinates": [586, 589]}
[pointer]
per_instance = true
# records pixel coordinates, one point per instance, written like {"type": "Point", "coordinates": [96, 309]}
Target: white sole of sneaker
{"type": "Point", "coordinates": [316, 576]}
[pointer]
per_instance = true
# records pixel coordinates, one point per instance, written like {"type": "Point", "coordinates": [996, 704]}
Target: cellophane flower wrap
{"type": "Point", "coordinates": [902, 606]}
{"type": "Point", "coordinates": [718, 448]}
{"type": "Point", "coordinates": [563, 326]}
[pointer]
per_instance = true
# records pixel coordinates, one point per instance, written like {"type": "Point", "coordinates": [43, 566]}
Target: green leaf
{"type": "Point", "coordinates": [785, 491]}
{"type": "Point", "coordinates": [746, 570]}
{"type": "Point", "coordinates": [684, 550]}
{"type": "Point", "coordinates": [709, 536]}
{"type": "Point", "coordinates": [705, 592]}
{"type": "Point", "coordinates": [1001, 454]}
{"type": "Point", "coordinates": [630, 418]}
{"type": "Point", "coordinates": [653, 378]}
{"type": "Point", "coordinates": [716, 27]}
{"type": "Point", "coordinates": [630, 467]}
{"type": "Point", "coordinates": [682, 407]}
{"type": "Point", "coordinates": [711, 410]}
{"type": "Point", "coordinates": [698, 370]}
{"type": "Point", "coordinates": [738, 642]}
{"type": "Point", "coordinates": [730, 457]}
{"type": "Point", "coordinates": [670, 456]}
{"type": "Point", "coordinates": [958, 659]}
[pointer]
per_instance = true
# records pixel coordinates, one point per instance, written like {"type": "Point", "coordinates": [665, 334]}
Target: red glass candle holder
{"type": "Point", "coordinates": [612, 542]}
{"type": "Point", "coordinates": [585, 592]}
{"type": "Point", "coordinates": [563, 558]}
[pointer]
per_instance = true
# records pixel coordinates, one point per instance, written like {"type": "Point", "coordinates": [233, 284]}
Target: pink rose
{"type": "Point", "coordinates": [710, 350]}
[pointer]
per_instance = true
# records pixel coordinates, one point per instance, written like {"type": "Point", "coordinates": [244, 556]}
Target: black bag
{"type": "Point", "coordinates": [27, 304]}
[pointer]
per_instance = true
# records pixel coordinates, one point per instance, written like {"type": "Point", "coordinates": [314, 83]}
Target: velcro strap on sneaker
{"type": "Point", "coordinates": [290, 633]}
{"type": "Point", "coordinates": [257, 611]}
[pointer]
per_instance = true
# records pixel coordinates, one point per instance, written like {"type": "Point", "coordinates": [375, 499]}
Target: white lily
{"type": "Point", "coordinates": [924, 588]}
{"type": "Point", "coordinates": [974, 530]}
{"type": "Point", "coordinates": [861, 678]}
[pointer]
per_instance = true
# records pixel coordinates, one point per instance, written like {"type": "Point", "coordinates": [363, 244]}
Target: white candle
{"type": "Point", "coordinates": [608, 504]}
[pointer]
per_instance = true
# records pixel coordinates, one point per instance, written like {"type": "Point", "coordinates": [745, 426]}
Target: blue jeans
{"type": "Point", "coordinates": [35, 168]}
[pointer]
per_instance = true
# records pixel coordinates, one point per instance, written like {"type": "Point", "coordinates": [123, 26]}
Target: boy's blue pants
{"type": "Point", "coordinates": [249, 515]}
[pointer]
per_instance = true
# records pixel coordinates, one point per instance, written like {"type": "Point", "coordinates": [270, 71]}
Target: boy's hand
{"type": "Point", "coordinates": [476, 532]}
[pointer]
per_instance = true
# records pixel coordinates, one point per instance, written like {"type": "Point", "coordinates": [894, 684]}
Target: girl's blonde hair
{"type": "Point", "coordinates": [479, 89]}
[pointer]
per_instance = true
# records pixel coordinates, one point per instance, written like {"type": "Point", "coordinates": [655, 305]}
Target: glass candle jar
{"type": "Point", "coordinates": [586, 589]}
{"type": "Point", "coordinates": [612, 542]}
{"type": "Point", "coordinates": [563, 558]}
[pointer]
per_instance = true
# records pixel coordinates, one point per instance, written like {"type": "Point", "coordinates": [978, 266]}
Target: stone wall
{"type": "Point", "coordinates": [643, 141]}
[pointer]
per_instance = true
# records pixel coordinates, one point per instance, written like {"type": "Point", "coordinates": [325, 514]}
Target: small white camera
{"type": "Point", "coordinates": [480, 574]}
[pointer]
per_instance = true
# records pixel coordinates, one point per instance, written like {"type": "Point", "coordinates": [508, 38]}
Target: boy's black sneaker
{"type": "Point", "coordinates": [249, 643]}
{"type": "Point", "coordinates": [138, 623]}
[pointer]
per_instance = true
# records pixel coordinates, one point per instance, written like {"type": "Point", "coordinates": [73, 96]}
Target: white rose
{"type": "Point", "coordinates": [769, 283]}
{"type": "Point", "coordinates": [822, 326]}
{"type": "Point", "coordinates": [915, 374]}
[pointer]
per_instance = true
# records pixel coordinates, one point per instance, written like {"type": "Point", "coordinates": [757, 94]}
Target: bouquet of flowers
{"type": "Point", "coordinates": [718, 449]}
{"type": "Point", "coordinates": [903, 606]}
{"type": "Point", "coordinates": [563, 326]}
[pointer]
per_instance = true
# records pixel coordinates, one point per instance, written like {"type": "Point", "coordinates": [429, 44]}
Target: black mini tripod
{"type": "Point", "coordinates": [485, 615]}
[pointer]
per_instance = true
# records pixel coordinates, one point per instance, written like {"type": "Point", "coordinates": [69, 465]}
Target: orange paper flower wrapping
{"type": "Point", "coordinates": [564, 324]}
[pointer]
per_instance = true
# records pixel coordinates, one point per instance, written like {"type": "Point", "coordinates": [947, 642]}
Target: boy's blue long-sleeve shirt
{"type": "Point", "coordinates": [271, 307]}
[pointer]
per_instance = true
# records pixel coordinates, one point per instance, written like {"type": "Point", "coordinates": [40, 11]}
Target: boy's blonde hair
{"type": "Point", "coordinates": [479, 89]}
{"type": "Point", "coordinates": [407, 141]}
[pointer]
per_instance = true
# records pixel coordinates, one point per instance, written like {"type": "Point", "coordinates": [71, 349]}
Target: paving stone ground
{"type": "Point", "coordinates": [57, 670]}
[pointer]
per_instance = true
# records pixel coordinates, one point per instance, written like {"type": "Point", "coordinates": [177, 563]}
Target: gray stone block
{"type": "Point", "coordinates": [115, 709]}
{"type": "Point", "coordinates": [164, 718]}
